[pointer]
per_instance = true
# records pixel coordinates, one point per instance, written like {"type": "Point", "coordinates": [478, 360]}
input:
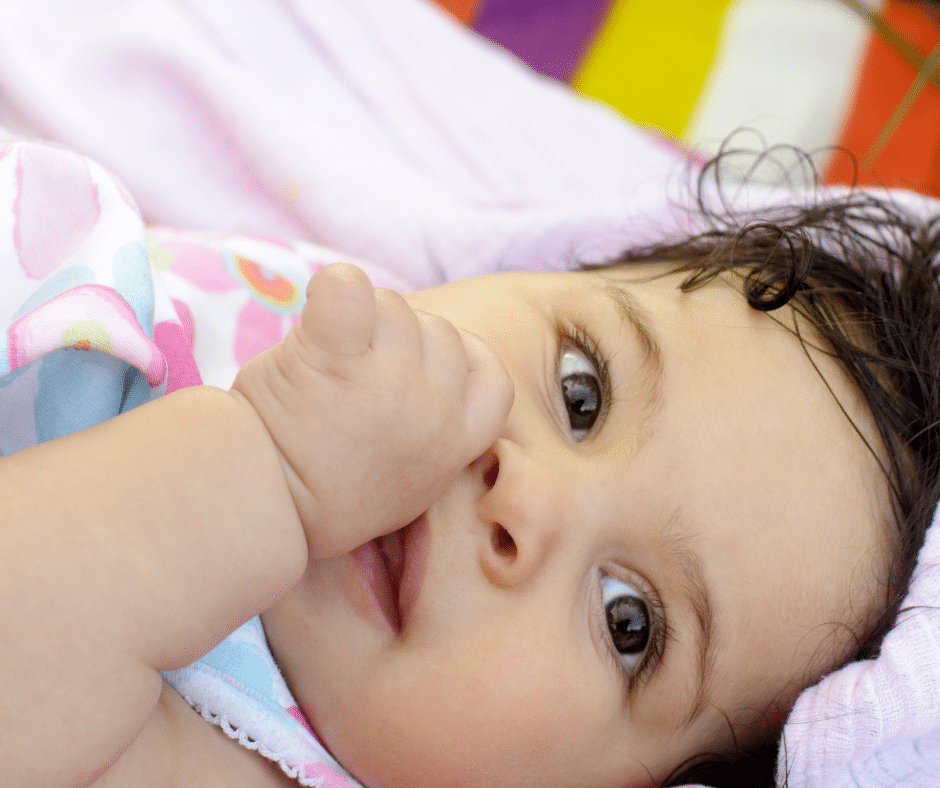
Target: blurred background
{"type": "Point", "coordinates": [858, 74]}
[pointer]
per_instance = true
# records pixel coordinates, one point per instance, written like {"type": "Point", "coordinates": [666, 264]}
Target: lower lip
{"type": "Point", "coordinates": [372, 567]}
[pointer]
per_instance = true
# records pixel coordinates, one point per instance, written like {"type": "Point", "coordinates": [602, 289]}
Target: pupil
{"type": "Point", "coordinates": [582, 398]}
{"type": "Point", "coordinates": [629, 627]}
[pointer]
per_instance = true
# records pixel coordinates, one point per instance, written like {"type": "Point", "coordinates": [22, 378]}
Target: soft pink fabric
{"type": "Point", "coordinates": [379, 128]}
{"type": "Point", "coordinates": [56, 207]}
{"type": "Point", "coordinates": [176, 349]}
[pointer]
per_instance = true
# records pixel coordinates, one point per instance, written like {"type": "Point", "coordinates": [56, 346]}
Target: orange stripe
{"type": "Point", "coordinates": [462, 9]}
{"type": "Point", "coordinates": [911, 158]}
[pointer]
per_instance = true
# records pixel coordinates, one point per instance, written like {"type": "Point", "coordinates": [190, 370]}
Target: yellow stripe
{"type": "Point", "coordinates": [650, 58]}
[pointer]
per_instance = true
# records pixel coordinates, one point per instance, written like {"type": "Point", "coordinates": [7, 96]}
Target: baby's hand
{"type": "Point", "coordinates": [373, 407]}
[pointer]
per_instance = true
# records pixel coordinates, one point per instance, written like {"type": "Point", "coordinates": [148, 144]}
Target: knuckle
{"type": "Point", "coordinates": [391, 300]}
{"type": "Point", "coordinates": [443, 342]}
{"type": "Point", "coordinates": [440, 325]}
{"type": "Point", "coordinates": [395, 308]}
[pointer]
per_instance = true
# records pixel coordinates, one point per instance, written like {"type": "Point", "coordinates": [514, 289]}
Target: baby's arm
{"type": "Point", "coordinates": [135, 546]}
{"type": "Point", "coordinates": [125, 549]}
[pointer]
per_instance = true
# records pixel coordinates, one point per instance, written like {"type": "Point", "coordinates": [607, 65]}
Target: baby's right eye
{"type": "Point", "coordinates": [581, 391]}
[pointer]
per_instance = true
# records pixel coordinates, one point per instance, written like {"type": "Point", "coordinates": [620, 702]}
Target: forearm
{"type": "Point", "coordinates": [129, 548]}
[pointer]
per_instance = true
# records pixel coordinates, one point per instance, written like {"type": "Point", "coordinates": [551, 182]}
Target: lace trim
{"type": "Point", "coordinates": [246, 741]}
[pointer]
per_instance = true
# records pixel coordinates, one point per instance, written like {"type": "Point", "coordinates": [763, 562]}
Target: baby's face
{"type": "Point", "coordinates": [666, 538]}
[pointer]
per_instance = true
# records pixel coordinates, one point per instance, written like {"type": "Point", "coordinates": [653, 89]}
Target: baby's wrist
{"type": "Point", "coordinates": [293, 486]}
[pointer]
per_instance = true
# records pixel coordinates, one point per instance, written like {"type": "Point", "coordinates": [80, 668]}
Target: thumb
{"type": "Point", "coordinates": [339, 315]}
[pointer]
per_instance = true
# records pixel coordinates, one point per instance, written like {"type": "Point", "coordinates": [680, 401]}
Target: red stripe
{"type": "Point", "coordinates": [911, 159]}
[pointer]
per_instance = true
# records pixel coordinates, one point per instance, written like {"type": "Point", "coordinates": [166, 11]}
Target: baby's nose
{"type": "Point", "coordinates": [520, 511]}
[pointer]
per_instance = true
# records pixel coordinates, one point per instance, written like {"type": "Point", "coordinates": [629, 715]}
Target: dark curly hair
{"type": "Point", "coordinates": [863, 272]}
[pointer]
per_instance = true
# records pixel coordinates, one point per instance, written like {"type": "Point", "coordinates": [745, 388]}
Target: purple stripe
{"type": "Point", "coordinates": [552, 36]}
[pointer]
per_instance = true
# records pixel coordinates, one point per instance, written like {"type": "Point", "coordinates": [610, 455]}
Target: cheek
{"type": "Point", "coordinates": [489, 710]}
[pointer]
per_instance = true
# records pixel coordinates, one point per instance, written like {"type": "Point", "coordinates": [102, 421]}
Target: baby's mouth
{"type": "Point", "coordinates": [382, 564]}
{"type": "Point", "coordinates": [393, 568]}
{"type": "Point", "coordinates": [391, 548]}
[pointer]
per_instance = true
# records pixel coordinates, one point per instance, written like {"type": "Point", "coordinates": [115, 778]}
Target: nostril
{"type": "Point", "coordinates": [503, 543]}
{"type": "Point", "coordinates": [490, 470]}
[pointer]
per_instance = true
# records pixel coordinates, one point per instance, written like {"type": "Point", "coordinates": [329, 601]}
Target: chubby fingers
{"type": "Point", "coordinates": [489, 395]}
{"type": "Point", "coordinates": [345, 316]}
{"type": "Point", "coordinates": [462, 366]}
{"type": "Point", "coordinates": [472, 374]}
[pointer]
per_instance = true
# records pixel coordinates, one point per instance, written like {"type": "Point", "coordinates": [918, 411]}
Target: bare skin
{"type": "Point", "coordinates": [237, 478]}
{"type": "Point", "coordinates": [719, 461]}
{"type": "Point", "coordinates": [527, 517]}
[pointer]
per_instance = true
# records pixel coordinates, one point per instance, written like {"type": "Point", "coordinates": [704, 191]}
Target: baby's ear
{"type": "Point", "coordinates": [339, 316]}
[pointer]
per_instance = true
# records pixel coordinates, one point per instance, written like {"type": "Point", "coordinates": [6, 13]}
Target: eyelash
{"type": "Point", "coordinates": [577, 337]}
{"type": "Point", "coordinates": [660, 635]}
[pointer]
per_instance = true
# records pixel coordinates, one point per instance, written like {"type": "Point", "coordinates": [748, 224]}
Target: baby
{"type": "Point", "coordinates": [527, 529]}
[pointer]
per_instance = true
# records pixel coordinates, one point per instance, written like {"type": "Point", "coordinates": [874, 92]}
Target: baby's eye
{"type": "Point", "coordinates": [581, 391]}
{"type": "Point", "coordinates": [628, 619]}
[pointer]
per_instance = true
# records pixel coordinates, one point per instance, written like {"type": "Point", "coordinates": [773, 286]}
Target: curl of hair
{"type": "Point", "coordinates": [864, 273]}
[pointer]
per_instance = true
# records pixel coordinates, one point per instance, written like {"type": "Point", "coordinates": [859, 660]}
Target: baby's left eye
{"type": "Point", "coordinates": [628, 620]}
{"type": "Point", "coordinates": [581, 391]}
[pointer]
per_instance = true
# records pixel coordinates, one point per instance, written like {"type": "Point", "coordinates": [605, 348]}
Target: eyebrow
{"type": "Point", "coordinates": [687, 561]}
{"type": "Point", "coordinates": [700, 599]}
{"type": "Point", "coordinates": [634, 317]}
